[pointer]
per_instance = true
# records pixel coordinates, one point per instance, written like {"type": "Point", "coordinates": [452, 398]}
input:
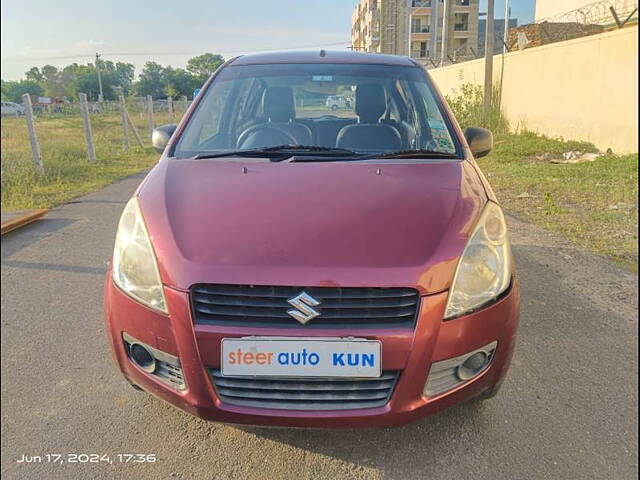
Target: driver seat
{"type": "Point", "coordinates": [279, 108]}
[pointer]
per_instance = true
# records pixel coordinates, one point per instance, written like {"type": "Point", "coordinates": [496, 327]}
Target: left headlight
{"type": "Point", "coordinates": [135, 269]}
{"type": "Point", "coordinates": [484, 269]}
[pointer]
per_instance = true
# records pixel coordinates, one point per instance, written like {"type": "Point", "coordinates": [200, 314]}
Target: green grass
{"type": "Point", "coordinates": [592, 203]}
{"type": "Point", "coordinates": [68, 174]}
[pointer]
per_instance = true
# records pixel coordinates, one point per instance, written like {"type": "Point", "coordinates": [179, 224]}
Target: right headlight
{"type": "Point", "coordinates": [135, 269]}
{"type": "Point", "coordinates": [484, 269]}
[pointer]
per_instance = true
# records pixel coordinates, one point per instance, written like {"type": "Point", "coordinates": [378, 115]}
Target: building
{"type": "Point", "coordinates": [380, 26]}
{"type": "Point", "coordinates": [460, 30]}
{"type": "Point", "coordinates": [498, 25]}
{"type": "Point", "coordinates": [415, 27]}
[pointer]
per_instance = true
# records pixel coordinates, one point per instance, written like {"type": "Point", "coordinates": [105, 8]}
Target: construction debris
{"type": "Point", "coordinates": [573, 156]}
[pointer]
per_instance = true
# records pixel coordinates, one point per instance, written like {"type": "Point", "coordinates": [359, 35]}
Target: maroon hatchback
{"type": "Point", "coordinates": [316, 247]}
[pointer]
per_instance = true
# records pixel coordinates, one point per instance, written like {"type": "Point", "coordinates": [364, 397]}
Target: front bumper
{"type": "Point", "coordinates": [407, 350]}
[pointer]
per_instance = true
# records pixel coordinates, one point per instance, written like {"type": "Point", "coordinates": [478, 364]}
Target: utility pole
{"type": "Point", "coordinates": [507, 14]}
{"type": "Point", "coordinates": [446, 13]}
{"type": "Point", "coordinates": [409, 27]}
{"type": "Point", "coordinates": [434, 31]}
{"type": "Point", "coordinates": [100, 96]}
{"type": "Point", "coordinates": [488, 57]}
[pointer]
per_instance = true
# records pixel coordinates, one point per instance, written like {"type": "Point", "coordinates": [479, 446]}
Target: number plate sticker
{"type": "Point", "coordinates": [299, 357]}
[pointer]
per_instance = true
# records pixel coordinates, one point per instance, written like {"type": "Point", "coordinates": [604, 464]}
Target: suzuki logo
{"type": "Point", "coordinates": [303, 304]}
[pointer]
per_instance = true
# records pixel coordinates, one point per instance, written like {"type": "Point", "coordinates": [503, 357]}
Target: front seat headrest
{"type": "Point", "coordinates": [371, 102]}
{"type": "Point", "coordinates": [278, 105]}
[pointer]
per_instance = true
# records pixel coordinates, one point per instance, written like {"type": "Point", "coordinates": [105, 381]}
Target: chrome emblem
{"type": "Point", "coordinates": [303, 304]}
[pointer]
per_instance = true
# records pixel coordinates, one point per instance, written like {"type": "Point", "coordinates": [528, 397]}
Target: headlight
{"type": "Point", "coordinates": [484, 270]}
{"type": "Point", "coordinates": [134, 264]}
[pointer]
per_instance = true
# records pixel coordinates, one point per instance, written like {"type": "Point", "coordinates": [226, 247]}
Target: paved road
{"type": "Point", "coordinates": [567, 410]}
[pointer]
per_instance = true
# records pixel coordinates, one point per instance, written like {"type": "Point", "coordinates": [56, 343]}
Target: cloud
{"type": "Point", "coordinates": [87, 45]}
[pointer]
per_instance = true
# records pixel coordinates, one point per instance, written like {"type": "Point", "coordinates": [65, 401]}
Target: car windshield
{"type": "Point", "coordinates": [362, 108]}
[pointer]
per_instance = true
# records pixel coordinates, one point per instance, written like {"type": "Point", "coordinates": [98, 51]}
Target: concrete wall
{"type": "Point", "coordinates": [581, 89]}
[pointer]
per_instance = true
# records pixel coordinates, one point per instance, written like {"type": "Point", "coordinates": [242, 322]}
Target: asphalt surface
{"type": "Point", "coordinates": [568, 408]}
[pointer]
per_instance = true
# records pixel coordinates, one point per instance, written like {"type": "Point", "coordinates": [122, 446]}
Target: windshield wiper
{"type": "Point", "coordinates": [281, 152]}
{"type": "Point", "coordinates": [418, 153]}
{"type": "Point", "coordinates": [354, 156]}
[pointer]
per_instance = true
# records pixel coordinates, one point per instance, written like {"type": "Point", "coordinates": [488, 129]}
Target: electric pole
{"type": "Point", "coordinates": [488, 57]}
{"type": "Point", "coordinates": [507, 14]}
{"type": "Point", "coordinates": [100, 96]}
{"type": "Point", "coordinates": [433, 49]}
{"type": "Point", "coordinates": [410, 19]}
{"type": "Point", "coordinates": [446, 13]}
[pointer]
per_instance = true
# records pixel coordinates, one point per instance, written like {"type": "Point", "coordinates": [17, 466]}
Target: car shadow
{"type": "Point", "coordinates": [418, 446]}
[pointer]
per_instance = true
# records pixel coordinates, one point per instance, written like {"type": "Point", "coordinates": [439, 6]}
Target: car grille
{"type": "Point", "coordinates": [304, 394]}
{"type": "Point", "coordinates": [261, 306]}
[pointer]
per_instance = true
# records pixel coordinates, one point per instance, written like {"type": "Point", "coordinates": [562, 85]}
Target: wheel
{"type": "Point", "coordinates": [334, 108]}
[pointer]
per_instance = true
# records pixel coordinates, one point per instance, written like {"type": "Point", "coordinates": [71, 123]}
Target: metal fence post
{"type": "Point", "coordinates": [33, 139]}
{"type": "Point", "coordinates": [150, 113]}
{"type": "Point", "coordinates": [86, 121]}
{"type": "Point", "coordinates": [170, 108]}
{"type": "Point", "coordinates": [125, 128]}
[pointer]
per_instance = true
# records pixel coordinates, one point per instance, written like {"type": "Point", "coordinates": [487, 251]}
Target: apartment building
{"type": "Point", "coordinates": [416, 28]}
{"type": "Point", "coordinates": [381, 26]}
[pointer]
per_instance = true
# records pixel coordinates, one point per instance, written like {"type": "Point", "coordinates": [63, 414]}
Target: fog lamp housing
{"type": "Point", "coordinates": [453, 372]}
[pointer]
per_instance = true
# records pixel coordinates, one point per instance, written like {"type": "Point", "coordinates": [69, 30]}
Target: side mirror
{"type": "Point", "coordinates": [161, 135]}
{"type": "Point", "coordinates": [480, 140]}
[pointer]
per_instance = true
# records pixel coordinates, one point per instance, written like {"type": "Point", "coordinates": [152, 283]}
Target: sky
{"type": "Point", "coordinates": [60, 32]}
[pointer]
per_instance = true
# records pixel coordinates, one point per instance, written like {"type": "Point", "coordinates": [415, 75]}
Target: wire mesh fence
{"type": "Point", "coordinates": [65, 154]}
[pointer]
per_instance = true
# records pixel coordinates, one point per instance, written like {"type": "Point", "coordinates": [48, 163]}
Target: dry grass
{"type": "Point", "coordinates": [67, 171]}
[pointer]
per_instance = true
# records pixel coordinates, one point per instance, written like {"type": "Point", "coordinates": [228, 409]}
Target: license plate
{"type": "Point", "coordinates": [297, 357]}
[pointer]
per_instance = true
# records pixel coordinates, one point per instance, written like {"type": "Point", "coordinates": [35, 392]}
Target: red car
{"type": "Point", "coordinates": [288, 264]}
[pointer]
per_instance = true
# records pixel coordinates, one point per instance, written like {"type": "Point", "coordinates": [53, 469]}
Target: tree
{"type": "Point", "coordinates": [152, 80]}
{"type": "Point", "coordinates": [34, 75]}
{"type": "Point", "coordinates": [204, 65]}
{"type": "Point", "coordinates": [124, 73]}
{"type": "Point", "coordinates": [155, 79]}
{"type": "Point", "coordinates": [181, 82]}
{"type": "Point", "coordinates": [13, 91]}
{"type": "Point", "coordinates": [52, 82]}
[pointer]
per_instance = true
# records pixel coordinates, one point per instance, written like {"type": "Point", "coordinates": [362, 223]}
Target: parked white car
{"type": "Point", "coordinates": [10, 108]}
{"type": "Point", "coordinates": [334, 102]}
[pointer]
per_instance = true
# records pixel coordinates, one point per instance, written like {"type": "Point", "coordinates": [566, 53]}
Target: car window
{"type": "Point", "coordinates": [366, 108]}
{"type": "Point", "coordinates": [210, 125]}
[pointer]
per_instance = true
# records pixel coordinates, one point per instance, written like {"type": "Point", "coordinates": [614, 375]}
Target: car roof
{"type": "Point", "coordinates": [322, 56]}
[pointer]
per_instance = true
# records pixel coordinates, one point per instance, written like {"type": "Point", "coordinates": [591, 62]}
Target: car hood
{"type": "Point", "coordinates": [310, 224]}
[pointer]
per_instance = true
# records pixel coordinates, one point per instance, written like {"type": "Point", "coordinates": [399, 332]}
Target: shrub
{"type": "Point", "coordinates": [468, 107]}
